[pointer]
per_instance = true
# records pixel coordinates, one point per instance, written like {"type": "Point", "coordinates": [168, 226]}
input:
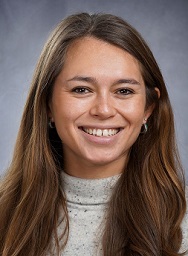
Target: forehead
{"type": "Point", "coordinates": [91, 45]}
{"type": "Point", "coordinates": [89, 54]}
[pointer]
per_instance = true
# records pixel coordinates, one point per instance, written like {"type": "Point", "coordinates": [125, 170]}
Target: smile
{"type": "Point", "coordinates": [101, 132]}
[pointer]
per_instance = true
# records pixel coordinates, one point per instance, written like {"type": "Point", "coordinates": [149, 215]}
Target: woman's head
{"type": "Point", "coordinates": [107, 28]}
{"type": "Point", "coordinates": [98, 106]}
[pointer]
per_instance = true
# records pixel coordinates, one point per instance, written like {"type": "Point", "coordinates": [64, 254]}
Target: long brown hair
{"type": "Point", "coordinates": [148, 203]}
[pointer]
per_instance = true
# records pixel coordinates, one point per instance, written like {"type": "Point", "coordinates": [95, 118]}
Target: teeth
{"type": "Point", "coordinates": [105, 133]}
{"type": "Point", "coordinates": [100, 132]}
{"type": "Point", "coordinates": [94, 132]}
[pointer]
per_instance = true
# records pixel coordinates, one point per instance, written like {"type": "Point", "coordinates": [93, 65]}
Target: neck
{"type": "Point", "coordinates": [93, 171]}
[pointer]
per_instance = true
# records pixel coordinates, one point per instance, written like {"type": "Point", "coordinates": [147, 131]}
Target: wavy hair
{"type": "Point", "coordinates": [148, 203]}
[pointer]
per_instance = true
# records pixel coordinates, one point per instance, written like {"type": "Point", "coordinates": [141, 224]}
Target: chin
{"type": "Point", "coordinates": [100, 161]}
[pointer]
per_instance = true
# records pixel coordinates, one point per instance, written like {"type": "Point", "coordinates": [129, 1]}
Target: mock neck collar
{"type": "Point", "coordinates": [88, 191]}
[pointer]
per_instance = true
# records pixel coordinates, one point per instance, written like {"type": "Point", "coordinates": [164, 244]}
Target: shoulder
{"type": "Point", "coordinates": [184, 226]}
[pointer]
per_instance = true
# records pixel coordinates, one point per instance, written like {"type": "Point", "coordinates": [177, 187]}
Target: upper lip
{"type": "Point", "coordinates": [100, 127]}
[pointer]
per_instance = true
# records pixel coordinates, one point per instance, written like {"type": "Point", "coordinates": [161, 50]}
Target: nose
{"type": "Point", "coordinates": [103, 107]}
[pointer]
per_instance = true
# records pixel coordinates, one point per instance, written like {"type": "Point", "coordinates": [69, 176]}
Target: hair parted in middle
{"type": "Point", "coordinates": [148, 203]}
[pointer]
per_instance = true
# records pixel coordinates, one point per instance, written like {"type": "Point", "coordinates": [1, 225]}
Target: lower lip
{"type": "Point", "coordinates": [102, 140]}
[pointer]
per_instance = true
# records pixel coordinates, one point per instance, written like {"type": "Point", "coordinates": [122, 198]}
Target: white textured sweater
{"type": "Point", "coordinates": [87, 202]}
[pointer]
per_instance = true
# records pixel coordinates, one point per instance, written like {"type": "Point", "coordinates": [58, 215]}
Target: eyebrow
{"type": "Point", "coordinates": [94, 80]}
{"type": "Point", "coordinates": [83, 79]}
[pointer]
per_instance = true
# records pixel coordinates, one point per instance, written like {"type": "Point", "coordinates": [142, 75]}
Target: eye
{"type": "Point", "coordinates": [124, 91]}
{"type": "Point", "coordinates": [81, 90]}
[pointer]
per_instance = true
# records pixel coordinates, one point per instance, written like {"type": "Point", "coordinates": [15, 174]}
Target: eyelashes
{"type": "Point", "coordinates": [86, 90]}
{"type": "Point", "coordinates": [124, 91]}
{"type": "Point", "coordinates": [81, 90]}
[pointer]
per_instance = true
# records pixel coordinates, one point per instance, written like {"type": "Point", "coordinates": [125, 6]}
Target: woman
{"type": "Point", "coordinates": [95, 169]}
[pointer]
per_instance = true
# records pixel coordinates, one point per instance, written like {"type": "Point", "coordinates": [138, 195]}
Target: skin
{"type": "Point", "coordinates": [100, 86]}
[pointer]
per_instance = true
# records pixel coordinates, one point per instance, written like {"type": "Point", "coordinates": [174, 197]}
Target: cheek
{"type": "Point", "coordinates": [134, 111]}
{"type": "Point", "coordinates": [61, 108]}
{"type": "Point", "coordinates": [65, 104]}
{"type": "Point", "coordinates": [66, 113]}
{"type": "Point", "coordinates": [63, 115]}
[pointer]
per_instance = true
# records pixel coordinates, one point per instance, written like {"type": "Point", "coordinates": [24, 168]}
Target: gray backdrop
{"type": "Point", "coordinates": [25, 26]}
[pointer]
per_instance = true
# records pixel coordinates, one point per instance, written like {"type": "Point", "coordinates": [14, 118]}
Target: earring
{"type": "Point", "coordinates": [51, 124]}
{"type": "Point", "coordinates": [144, 128]}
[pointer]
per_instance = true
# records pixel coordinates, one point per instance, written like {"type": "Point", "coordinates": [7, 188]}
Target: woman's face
{"type": "Point", "coordinates": [98, 106]}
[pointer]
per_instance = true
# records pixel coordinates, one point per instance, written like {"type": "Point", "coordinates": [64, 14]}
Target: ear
{"type": "Point", "coordinates": [158, 92]}
{"type": "Point", "coordinates": [150, 109]}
